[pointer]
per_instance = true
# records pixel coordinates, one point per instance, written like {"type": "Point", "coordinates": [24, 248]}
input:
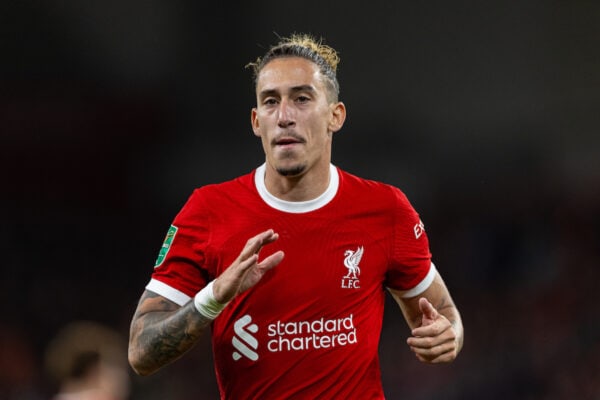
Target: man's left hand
{"type": "Point", "coordinates": [435, 341]}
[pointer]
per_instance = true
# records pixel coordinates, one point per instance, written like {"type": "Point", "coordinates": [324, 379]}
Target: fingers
{"type": "Point", "coordinates": [434, 338]}
{"type": "Point", "coordinates": [427, 309]}
{"type": "Point", "coordinates": [253, 245]}
{"type": "Point", "coordinates": [434, 343]}
{"type": "Point", "coordinates": [442, 354]}
{"type": "Point", "coordinates": [271, 261]}
{"type": "Point", "coordinates": [434, 328]}
{"type": "Point", "coordinates": [246, 270]}
{"type": "Point", "coordinates": [247, 263]}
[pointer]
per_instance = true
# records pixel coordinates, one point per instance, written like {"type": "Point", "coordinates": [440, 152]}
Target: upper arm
{"type": "Point", "coordinates": [161, 331]}
{"type": "Point", "coordinates": [151, 304]}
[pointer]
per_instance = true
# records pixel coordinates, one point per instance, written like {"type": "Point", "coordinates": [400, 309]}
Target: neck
{"type": "Point", "coordinates": [303, 187]}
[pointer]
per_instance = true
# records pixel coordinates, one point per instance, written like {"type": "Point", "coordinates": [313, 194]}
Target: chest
{"type": "Point", "coordinates": [329, 258]}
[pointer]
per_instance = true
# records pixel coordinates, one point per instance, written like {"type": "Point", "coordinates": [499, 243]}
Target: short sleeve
{"type": "Point", "coordinates": [179, 271]}
{"type": "Point", "coordinates": [410, 270]}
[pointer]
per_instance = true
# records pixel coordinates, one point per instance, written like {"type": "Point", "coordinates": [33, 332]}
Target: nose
{"type": "Point", "coordinates": [285, 117]}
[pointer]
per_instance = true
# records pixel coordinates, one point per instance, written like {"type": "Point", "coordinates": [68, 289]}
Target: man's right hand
{"type": "Point", "coordinates": [246, 271]}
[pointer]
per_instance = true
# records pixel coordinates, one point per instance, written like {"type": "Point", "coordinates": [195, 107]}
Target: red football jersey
{"type": "Point", "coordinates": [310, 328]}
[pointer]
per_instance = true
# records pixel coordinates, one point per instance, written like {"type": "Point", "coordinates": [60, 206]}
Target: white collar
{"type": "Point", "coordinates": [297, 207]}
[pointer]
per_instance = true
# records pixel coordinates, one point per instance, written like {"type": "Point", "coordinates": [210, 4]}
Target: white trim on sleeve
{"type": "Point", "coordinates": [421, 286]}
{"type": "Point", "coordinates": [168, 292]}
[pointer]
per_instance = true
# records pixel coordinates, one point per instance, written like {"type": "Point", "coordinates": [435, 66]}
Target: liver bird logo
{"type": "Point", "coordinates": [351, 262]}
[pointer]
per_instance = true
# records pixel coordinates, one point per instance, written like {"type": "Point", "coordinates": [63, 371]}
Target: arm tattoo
{"type": "Point", "coordinates": [447, 308]}
{"type": "Point", "coordinates": [162, 331]}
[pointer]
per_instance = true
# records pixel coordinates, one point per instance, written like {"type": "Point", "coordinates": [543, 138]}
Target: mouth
{"type": "Point", "coordinates": [287, 141]}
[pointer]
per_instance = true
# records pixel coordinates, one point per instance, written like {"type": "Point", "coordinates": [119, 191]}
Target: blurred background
{"type": "Point", "coordinates": [486, 114]}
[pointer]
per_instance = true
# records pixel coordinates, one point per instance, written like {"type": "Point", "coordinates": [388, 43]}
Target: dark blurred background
{"type": "Point", "coordinates": [485, 114]}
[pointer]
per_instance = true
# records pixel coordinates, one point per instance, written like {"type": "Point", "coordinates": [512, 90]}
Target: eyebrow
{"type": "Point", "coordinates": [294, 89]}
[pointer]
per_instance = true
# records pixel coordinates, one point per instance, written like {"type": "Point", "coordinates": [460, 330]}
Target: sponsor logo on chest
{"type": "Point", "coordinates": [291, 336]}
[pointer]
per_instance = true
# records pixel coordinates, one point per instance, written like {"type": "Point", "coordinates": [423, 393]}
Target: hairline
{"type": "Point", "coordinates": [328, 83]}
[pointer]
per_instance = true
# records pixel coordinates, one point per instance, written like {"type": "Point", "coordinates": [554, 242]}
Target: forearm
{"type": "Point", "coordinates": [159, 337]}
{"type": "Point", "coordinates": [435, 323]}
{"type": "Point", "coordinates": [162, 331]}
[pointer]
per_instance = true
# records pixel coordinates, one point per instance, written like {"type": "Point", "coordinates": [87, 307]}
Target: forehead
{"type": "Point", "coordinates": [286, 72]}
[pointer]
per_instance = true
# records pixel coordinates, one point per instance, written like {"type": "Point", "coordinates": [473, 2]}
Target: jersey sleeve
{"type": "Point", "coordinates": [179, 271]}
{"type": "Point", "coordinates": [411, 270]}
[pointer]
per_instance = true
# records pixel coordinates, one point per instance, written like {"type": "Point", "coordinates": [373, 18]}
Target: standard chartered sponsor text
{"type": "Point", "coordinates": [306, 335]}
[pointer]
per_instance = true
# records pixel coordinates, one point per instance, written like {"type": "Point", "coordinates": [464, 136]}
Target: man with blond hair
{"type": "Point", "coordinates": [289, 263]}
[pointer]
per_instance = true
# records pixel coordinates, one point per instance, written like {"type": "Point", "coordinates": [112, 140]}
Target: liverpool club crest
{"type": "Point", "coordinates": [351, 262]}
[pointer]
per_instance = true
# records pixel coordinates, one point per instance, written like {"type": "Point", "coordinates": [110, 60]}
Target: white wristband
{"type": "Point", "coordinates": [206, 304]}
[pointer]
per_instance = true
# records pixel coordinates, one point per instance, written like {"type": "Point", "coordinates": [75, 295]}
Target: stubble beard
{"type": "Point", "coordinates": [291, 171]}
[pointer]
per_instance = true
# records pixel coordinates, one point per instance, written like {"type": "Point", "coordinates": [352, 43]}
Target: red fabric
{"type": "Point", "coordinates": [317, 328]}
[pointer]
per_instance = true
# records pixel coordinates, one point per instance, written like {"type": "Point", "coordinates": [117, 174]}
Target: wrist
{"type": "Point", "coordinates": [206, 304]}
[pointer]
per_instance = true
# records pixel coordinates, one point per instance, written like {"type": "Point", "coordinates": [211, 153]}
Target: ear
{"type": "Point", "coordinates": [254, 122]}
{"type": "Point", "coordinates": [338, 116]}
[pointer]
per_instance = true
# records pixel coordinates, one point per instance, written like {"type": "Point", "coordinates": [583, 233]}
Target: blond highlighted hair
{"type": "Point", "coordinates": [308, 47]}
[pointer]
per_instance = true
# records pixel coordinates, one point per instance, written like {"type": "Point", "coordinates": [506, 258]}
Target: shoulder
{"type": "Point", "coordinates": [235, 187]}
{"type": "Point", "coordinates": [373, 190]}
{"type": "Point", "coordinates": [213, 197]}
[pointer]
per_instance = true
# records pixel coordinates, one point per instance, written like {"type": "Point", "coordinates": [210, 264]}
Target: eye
{"type": "Point", "coordinates": [302, 99]}
{"type": "Point", "coordinates": [269, 101]}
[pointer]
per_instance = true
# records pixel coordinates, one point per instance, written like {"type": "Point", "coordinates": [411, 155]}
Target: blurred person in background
{"type": "Point", "coordinates": [289, 264]}
{"type": "Point", "coordinates": [19, 372]}
{"type": "Point", "coordinates": [87, 360]}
